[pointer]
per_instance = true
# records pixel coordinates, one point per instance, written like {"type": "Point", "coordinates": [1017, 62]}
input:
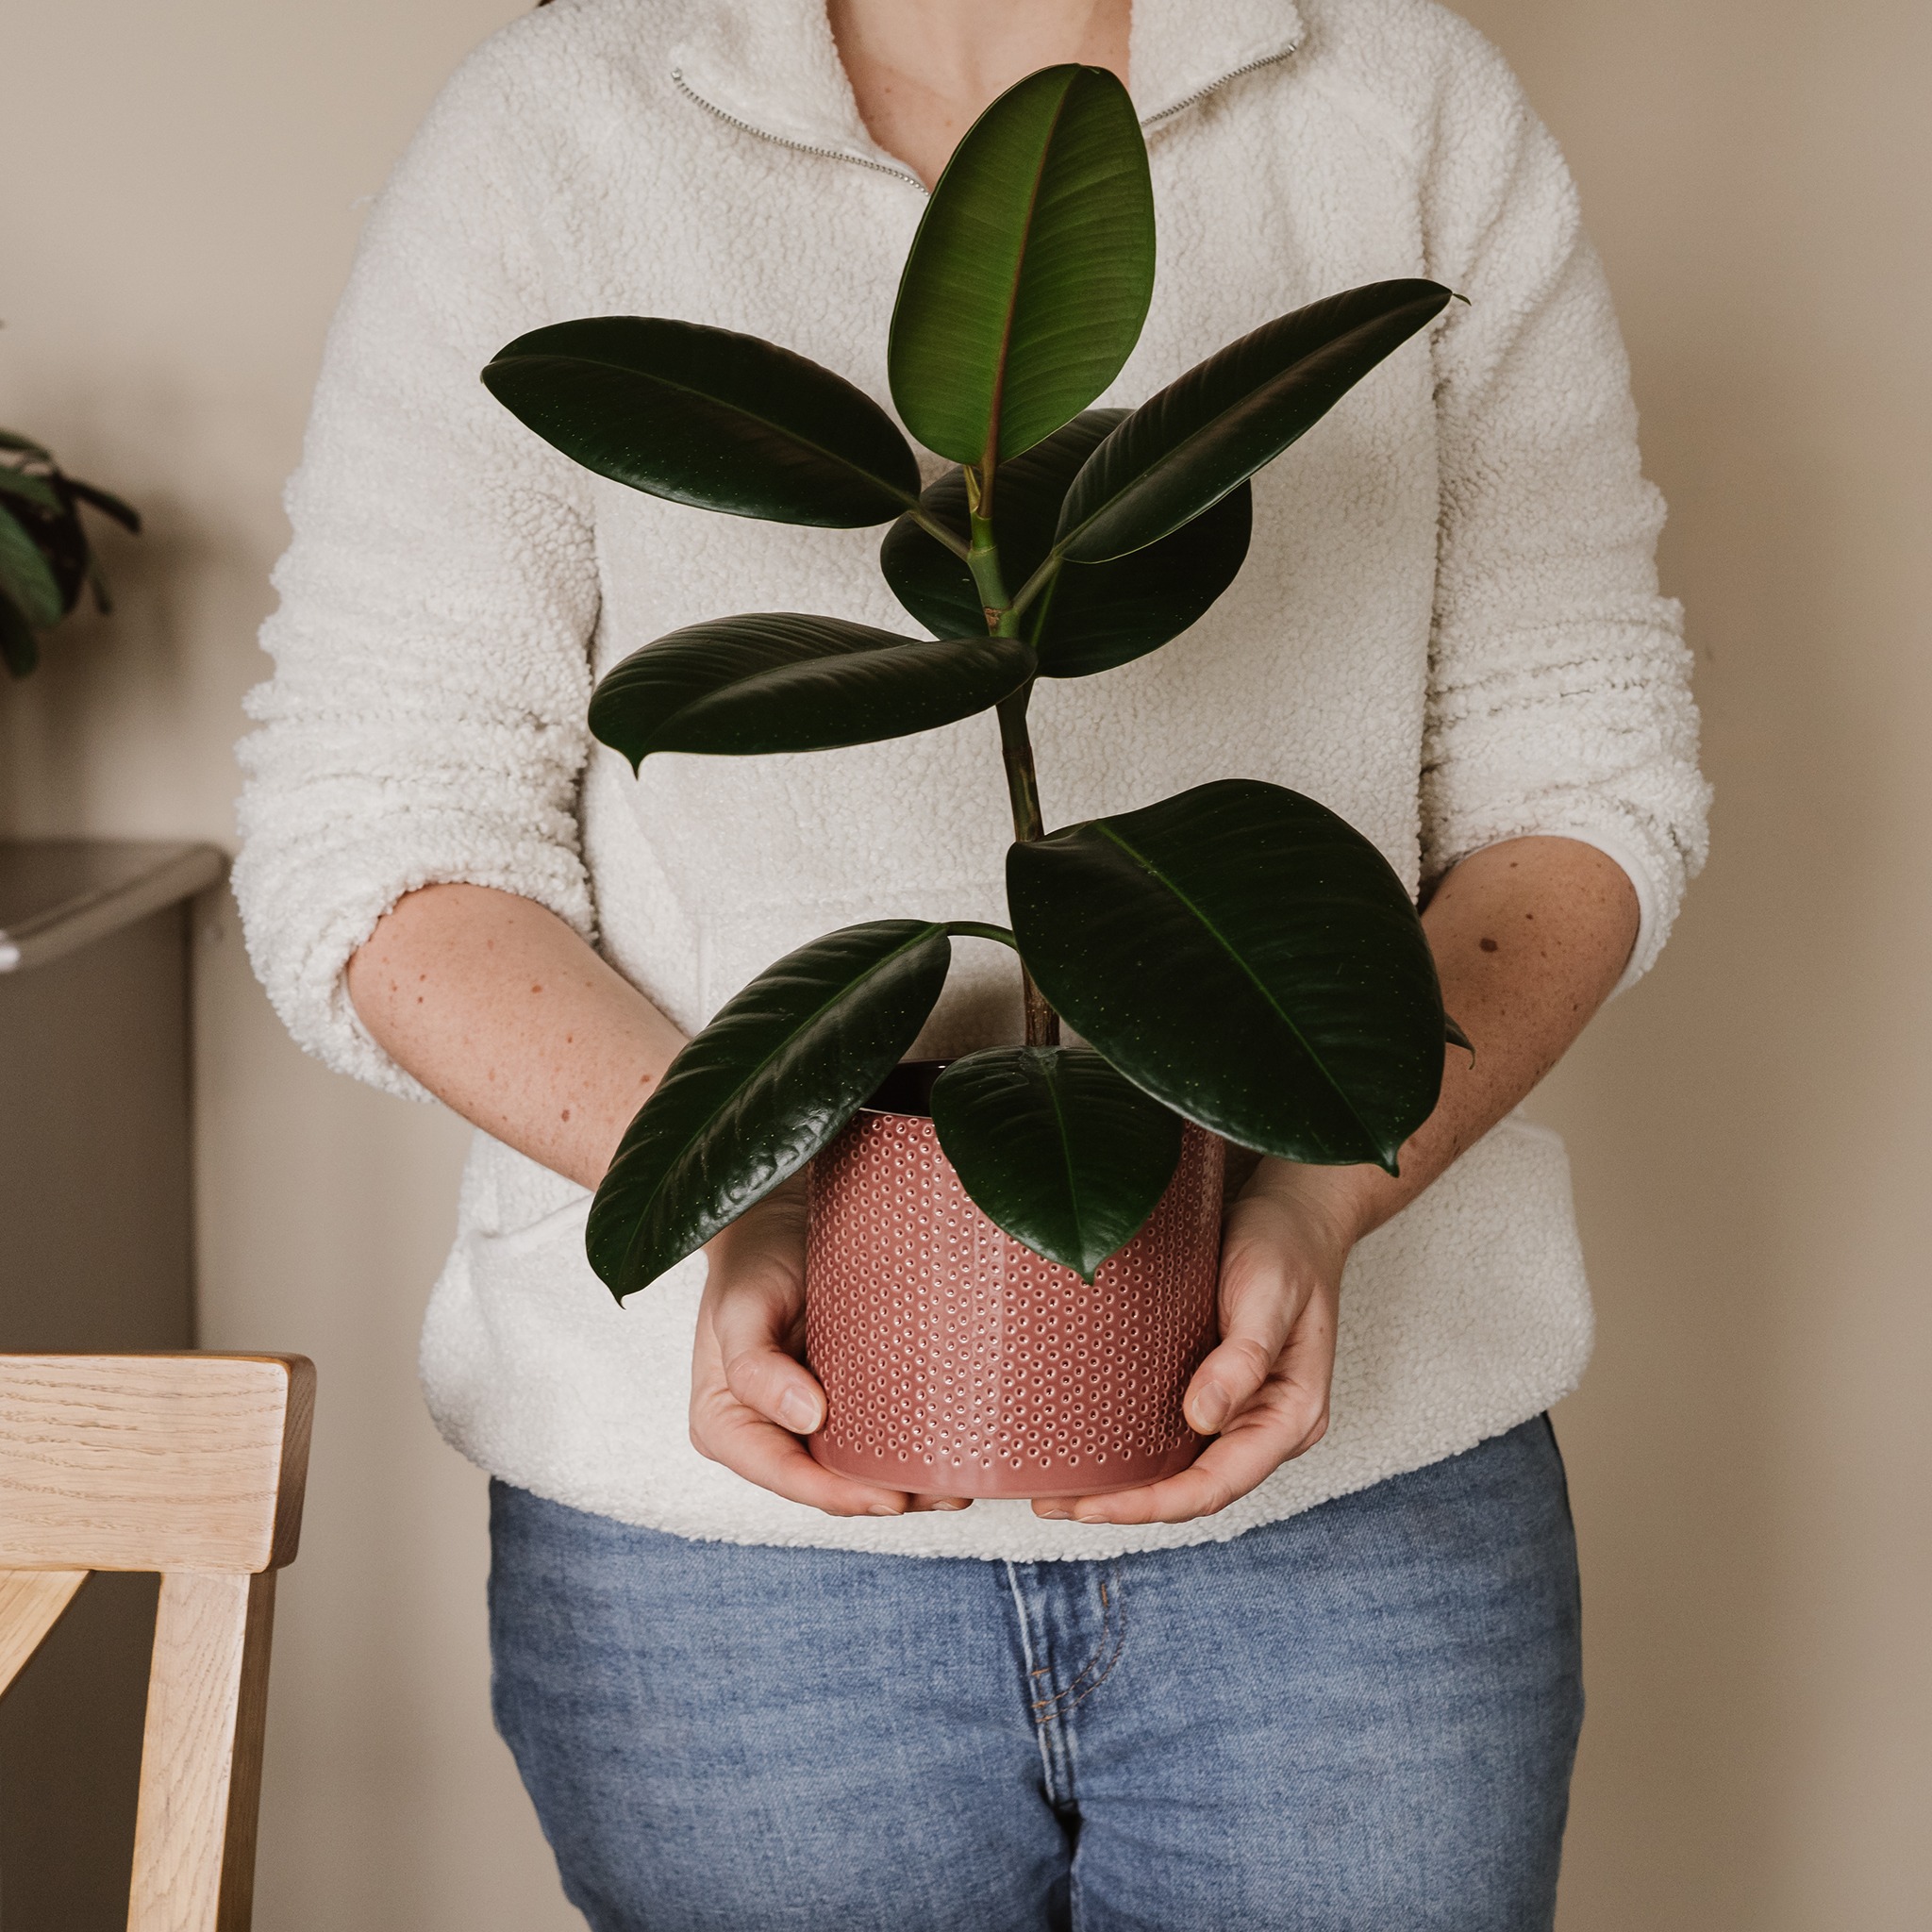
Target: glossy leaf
{"type": "Point", "coordinates": [1183, 450]}
{"type": "Point", "coordinates": [26, 575]}
{"type": "Point", "coordinates": [1247, 957]}
{"type": "Point", "coordinates": [1457, 1037]}
{"type": "Point", "coordinates": [23, 445]}
{"type": "Point", "coordinates": [1031, 273]}
{"type": "Point", "coordinates": [783, 1066]}
{"type": "Point", "coordinates": [708, 417]}
{"type": "Point", "coordinates": [784, 682]}
{"type": "Point", "coordinates": [1057, 1148]}
{"type": "Point", "coordinates": [1095, 616]}
{"type": "Point", "coordinates": [20, 649]}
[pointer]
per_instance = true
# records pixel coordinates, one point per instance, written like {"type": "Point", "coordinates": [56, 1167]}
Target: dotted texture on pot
{"type": "Point", "coordinates": [956, 1361]}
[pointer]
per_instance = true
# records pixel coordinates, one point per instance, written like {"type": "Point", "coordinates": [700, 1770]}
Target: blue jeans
{"type": "Point", "coordinates": [1362, 1716]}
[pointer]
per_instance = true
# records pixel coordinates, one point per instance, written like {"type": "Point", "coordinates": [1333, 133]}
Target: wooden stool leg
{"type": "Point", "coordinates": [201, 1755]}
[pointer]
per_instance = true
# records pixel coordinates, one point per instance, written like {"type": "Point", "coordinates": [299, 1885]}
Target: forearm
{"type": "Point", "coordinates": [513, 1020]}
{"type": "Point", "coordinates": [1530, 936]}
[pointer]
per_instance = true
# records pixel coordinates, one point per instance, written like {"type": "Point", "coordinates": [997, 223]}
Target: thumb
{"type": "Point", "coordinates": [753, 1321]}
{"type": "Point", "coordinates": [1258, 1310]}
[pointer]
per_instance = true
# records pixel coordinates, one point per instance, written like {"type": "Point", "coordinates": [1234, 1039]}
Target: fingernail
{"type": "Point", "coordinates": [884, 1510]}
{"type": "Point", "coordinates": [798, 1411]}
{"type": "Point", "coordinates": [953, 1503]}
{"type": "Point", "coordinates": [1055, 1516]}
{"type": "Point", "coordinates": [1209, 1411]}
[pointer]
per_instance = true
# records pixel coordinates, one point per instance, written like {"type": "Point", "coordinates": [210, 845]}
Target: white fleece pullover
{"type": "Point", "coordinates": [1448, 629]}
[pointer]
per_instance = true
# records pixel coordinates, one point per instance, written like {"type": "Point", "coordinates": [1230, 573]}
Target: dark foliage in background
{"type": "Point", "coordinates": [46, 560]}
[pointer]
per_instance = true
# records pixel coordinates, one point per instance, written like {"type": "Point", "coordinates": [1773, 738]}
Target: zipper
{"type": "Point", "coordinates": [803, 147]}
{"type": "Point", "coordinates": [1180, 107]}
{"type": "Point", "coordinates": [839, 154]}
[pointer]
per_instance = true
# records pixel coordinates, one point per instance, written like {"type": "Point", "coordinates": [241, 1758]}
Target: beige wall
{"type": "Point", "coordinates": [1750, 1456]}
{"type": "Point", "coordinates": [1753, 1451]}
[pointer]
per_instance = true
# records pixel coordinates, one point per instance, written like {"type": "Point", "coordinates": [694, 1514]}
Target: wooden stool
{"type": "Point", "coordinates": [193, 1465]}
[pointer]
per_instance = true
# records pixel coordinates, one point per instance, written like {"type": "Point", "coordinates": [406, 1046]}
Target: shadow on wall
{"type": "Point", "coordinates": [137, 659]}
{"type": "Point", "coordinates": [1678, 1437]}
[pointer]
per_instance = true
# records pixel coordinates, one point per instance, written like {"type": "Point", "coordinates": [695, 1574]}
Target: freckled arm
{"type": "Point", "coordinates": [510, 1019]}
{"type": "Point", "coordinates": [1529, 938]}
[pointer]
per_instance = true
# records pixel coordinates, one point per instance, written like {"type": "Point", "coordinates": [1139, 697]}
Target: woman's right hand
{"type": "Point", "coordinates": [751, 1397]}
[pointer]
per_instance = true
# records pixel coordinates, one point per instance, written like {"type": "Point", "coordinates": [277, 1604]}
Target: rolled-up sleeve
{"type": "Point", "coordinates": [1559, 699]}
{"type": "Point", "coordinates": [425, 719]}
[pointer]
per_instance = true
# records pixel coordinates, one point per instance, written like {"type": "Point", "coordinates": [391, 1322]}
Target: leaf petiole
{"type": "Point", "coordinates": [1041, 579]}
{"type": "Point", "coordinates": [939, 532]}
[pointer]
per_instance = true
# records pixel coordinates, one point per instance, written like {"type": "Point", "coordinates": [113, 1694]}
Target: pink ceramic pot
{"type": "Point", "coordinates": [958, 1362]}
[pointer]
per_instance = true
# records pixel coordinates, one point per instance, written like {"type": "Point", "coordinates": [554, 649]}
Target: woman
{"type": "Point", "coordinates": [1328, 1677]}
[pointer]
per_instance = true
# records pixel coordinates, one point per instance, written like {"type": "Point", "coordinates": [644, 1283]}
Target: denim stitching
{"type": "Point", "coordinates": [1107, 1600]}
{"type": "Point", "coordinates": [1119, 1597]}
{"type": "Point", "coordinates": [1113, 1624]}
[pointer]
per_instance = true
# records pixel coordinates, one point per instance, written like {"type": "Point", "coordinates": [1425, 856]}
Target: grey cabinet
{"type": "Point", "coordinates": [95, 1255]}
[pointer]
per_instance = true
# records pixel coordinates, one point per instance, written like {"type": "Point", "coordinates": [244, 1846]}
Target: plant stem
{"type": "Point", "coordinates": [977, 930]}
{"type": "Point", "coordinates": [1023, 787]}
{"type": "Point", "coordinates": [983, 560]}
{"type": "Point", "coordinates": [939, 533]}
{"type": "Point", "coordinates": [1016, 744]}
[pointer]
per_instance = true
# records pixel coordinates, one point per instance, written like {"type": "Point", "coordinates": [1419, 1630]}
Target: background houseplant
{"type": "Point", "coordinates": [1236, 956]}
{"type": "Point", "coordinates": [46, 560]}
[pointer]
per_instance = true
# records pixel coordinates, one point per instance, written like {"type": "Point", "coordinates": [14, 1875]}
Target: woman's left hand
{"type": "Point", "coordinates": [1263, 1392]}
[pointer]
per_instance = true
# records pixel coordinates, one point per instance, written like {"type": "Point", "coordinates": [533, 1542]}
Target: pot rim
{"type": "Point", "coordinates": [914, 1080]}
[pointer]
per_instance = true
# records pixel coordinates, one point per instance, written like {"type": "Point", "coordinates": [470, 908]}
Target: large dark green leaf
{"type": "Point", "coordinates": [1184, 449]}
{"type": "Point", "coordinates": [758, 1091]}
{"type": "Point", "coordinates": [1246, 957]}
{"type": "Point", "coordinates": [784, 682]}
{"type": "Point", "coordinates": [1095, 616]}
{"type": "Point", "coordinates": [25, 446]}
{"type": "Point", "coordinates": [707, 417]}
{"type": "Point", "coordinates": [26, 575]}
{"type": "Point", "coordinates": [1031, 273]}
{"type": "Point", "coordinates": [1057, 1148]}
{"type": "Point", "coordinates": [20, 649]}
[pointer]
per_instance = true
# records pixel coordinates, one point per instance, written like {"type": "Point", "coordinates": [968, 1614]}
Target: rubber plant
{"type": "Point", "coordinates": [46, 560]}
{"type": "Point", "coordinates": [1237, 955]}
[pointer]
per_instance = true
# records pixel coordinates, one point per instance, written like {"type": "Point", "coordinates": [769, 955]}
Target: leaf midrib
{"type": "Point", "coordinates": [1221, 939]}
{"type": "Point", "coordinates": [1051, 1075]}
{"type": "Point", "coordinates": [990, 454]}
{"type": "Point", "coordinates": [698, 1133]}
{"type": "Point", "coordinates": [1175, 454]}
{"type": "Point", "coordinates": [909, 498]}
{"type": "Point", "coordinates": [762, 683]}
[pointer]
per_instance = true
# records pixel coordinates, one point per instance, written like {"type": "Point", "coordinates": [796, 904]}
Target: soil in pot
{"type": "Point", "coordinates": [956, 1361]}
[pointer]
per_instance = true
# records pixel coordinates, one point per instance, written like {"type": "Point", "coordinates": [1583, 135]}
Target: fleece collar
{"type": "Point", "coordinates": [770, 65]}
